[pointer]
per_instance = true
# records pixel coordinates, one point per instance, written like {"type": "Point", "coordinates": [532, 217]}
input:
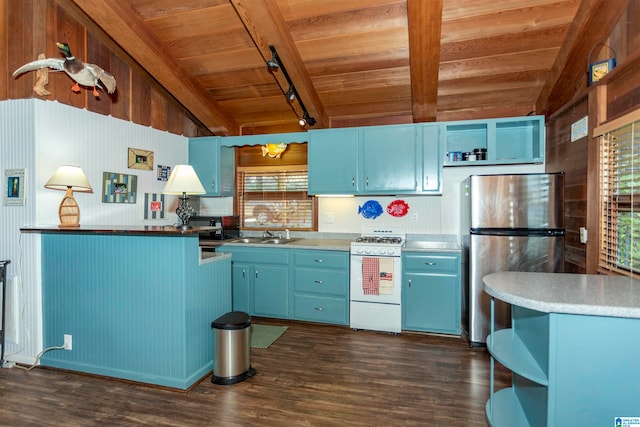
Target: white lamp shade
{"type": "Point", "coordinates": [183, 179]}
{"type": "Point", "coordinates": [72, 177]}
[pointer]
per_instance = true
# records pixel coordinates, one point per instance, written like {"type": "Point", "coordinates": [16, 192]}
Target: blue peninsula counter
{"type": "Point", "coordinates": [573, 349]}
{"type": "Point", "coordinates": [138, 302]}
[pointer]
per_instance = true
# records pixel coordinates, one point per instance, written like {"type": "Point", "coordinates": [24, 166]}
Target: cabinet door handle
{"type": "Point", "coordinates": [244, 273]}
{"type": "Point", "coordinates": [256, 274]}
{"type": "Point", "coordinates": [213, 185]}
{"type": "Point", "coordinates": [319, 308]}
{"type": "Point", "coordinates": [353, 181]}
{"type": "Point", "coordinates": [319, 282]}
{"type": "Point", "coordinates": [409, 282]}
{"type": "Point", "coordinates": [367, 181]}
{"type": "Point", "coordinates": [318, 260]}
{"type": "Point", "coordinates": [431, 263]}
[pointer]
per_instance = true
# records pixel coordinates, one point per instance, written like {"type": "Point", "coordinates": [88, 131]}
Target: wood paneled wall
{"type": "Point", "coordinates": [613, 96]}
{"type": "Point", "coordinates": [32, 27]}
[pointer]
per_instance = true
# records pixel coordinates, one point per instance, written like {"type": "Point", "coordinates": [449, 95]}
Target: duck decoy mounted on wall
{"type": "Point", "coordinates": [84, 74]}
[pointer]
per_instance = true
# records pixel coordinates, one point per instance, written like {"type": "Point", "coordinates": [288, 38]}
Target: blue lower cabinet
{"type": "Point", "coordinates": [271, 290]}
{"type": "Point", "coordinates": [283, 283]}
{"type": "Point", "coordinates": [241, 291]}
{"type": "Point", "coordinates": [260, 288]}
{"type": "Point", "coordinates": [431, 292]}
{"type": "Point", "coordinates": [322, 286]}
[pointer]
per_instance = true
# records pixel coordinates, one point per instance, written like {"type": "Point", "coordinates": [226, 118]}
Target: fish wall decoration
{"type": "Point", "coordinates": [274, 150]}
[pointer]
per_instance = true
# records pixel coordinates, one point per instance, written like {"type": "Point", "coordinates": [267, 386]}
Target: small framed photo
{"type": "Point", "coordinates": [163, 172]}
{"type": "Point", "coordinates": [140, 159]}
{"type": "Point", "coordinates": [153, 206]}
{"type": "Point", "coordinates": [119, 187]}
{"type": "Point", "coordinates": [14, 187]}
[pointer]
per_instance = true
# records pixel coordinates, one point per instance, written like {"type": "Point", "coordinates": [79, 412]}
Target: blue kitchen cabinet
{"type": "Point", "coordinates": [509, 140]}
{"type": "Point", "coordinates": [214, 164]}
{"type": "Point", "coordinates": [366, 161]}
{"type": "Point", "coordinates": [390, 159]}
{"type": "Point", "coordinates": [431, 292]}
{"type": "Point", "coordinates": [240, 289]}
{"type": "Point", "coordinates": [260, 280]}
{"type": "Point", "coordinates": [271, 289]}
{"type": "Point", "coordinates": [430, 153]}
{"type": "Point", "coordinates": [333, 161]}
{"type": "Point", "coordinates": [321, 286]}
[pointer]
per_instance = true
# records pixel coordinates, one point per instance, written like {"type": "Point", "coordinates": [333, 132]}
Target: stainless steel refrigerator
{"type": "Point", "coordinates": [509, 223]}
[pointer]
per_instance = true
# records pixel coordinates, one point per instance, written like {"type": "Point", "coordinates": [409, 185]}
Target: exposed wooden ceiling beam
{"type": "Point", "coordinates": [266, 26]}
{"type": "Point", "coordinates": [425, 23]}
{"type": "Point", "coordinates": [593, 22]}
{"type": "Point", "coordinates": [124, 26]}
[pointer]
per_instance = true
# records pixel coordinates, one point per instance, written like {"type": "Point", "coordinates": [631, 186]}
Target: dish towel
{"type": "Point", "coordinates": [371, 276]}
{"type": "Point", "coordinates": [386, 276]}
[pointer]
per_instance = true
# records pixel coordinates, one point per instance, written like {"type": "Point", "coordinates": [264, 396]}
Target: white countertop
{"type": "Point", "coordinates": [593, 295]}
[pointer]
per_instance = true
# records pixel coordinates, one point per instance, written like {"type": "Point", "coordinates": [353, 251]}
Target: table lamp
{"type": "Point", "coordinates": [69, 179]}
{"type": "Point", "coordinates": [182, 181]}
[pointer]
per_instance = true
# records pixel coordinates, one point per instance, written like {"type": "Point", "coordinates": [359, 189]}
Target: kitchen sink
{"type": "Point", "coordinates": [247, 240]}
{"type": "Point", "coordinates": [277, 241]}
{"type": "Point", "coordinates": [263, 240]}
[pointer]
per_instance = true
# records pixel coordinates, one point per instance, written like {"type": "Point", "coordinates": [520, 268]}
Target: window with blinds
{"type": "Point", "coordinates": [620, 200]}
{"type": "Point", "coordinates": [272, 199]}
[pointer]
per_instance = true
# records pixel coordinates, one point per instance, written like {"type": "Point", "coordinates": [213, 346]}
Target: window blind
{"type": "Point", "coordinates": [620, 200]}
{"type": "Point", "coordinates": [274, 199]}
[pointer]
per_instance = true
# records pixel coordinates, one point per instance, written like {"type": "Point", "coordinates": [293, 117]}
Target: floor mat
{"type": "Point", "coordinates": [262, 336]}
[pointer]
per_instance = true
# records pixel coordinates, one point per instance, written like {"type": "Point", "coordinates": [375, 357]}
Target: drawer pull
{"type": "Point", "coordinates": [319, 282]}
{"type": "Point", "coordinates": [431, 263]}
{"type": "Point", "coordinates": [319, 308]}
{"type": "Point", "coordinates": [319, 260]}
{"type": "Point", "coordinates": [409, 282]}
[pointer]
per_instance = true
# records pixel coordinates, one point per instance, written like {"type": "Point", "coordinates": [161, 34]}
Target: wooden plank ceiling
{"type": "Point", "coordinates": [353, 62]}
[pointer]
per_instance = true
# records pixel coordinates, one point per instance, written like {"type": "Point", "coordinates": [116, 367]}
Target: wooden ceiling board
{"type": "Point", "coordinates": [194, 23]}
{"type": "Point", "coordinates": [507, 22]}
{"type": "Point", "coordinates": [352, 62]}
{"type": "Point", "coordinates": [502, 44]}
{"type": "Point", "coordinates": [351, 22]}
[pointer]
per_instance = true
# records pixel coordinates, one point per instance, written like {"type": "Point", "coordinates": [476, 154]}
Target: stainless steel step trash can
{"type": "Point", "coordinates": [232, 348]}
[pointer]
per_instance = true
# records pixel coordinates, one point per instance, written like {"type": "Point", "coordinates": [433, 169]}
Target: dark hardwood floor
{"type": "Point", "coordinates": [314, 375]}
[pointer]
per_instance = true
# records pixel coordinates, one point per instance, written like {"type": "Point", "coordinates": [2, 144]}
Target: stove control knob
{"type": "Point", "coordinates": [383, 251]}
{"type": "Point", "coordinates": [391, 251]}
{"type": "Point", "coordinates": [358, 250]}
{"type": "Point", "coordinates": [367, 251]}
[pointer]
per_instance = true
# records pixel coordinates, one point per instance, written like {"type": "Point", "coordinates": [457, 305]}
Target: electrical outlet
{"type": "Point", "coordinates": [68, 342]}
{"type": "Point", "coordinates": [414, 217]}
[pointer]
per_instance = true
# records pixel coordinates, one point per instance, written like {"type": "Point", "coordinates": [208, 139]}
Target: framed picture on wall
{"type": "Point", "coordinates": [14, 187]}
{"type": "Point", "coordinates": [153, 206]}
{"type": "Point", "coordinates": [140, 159]}
{"type": "Point", "coordinates": [119, 187]}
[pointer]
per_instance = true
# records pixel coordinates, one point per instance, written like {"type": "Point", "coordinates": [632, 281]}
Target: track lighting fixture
{"type": "Point", "coordinates": [291, 95]}
{"type": "Point", "coordinates": [274, 64]}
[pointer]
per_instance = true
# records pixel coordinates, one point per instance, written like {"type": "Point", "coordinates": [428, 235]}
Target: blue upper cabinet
{"type": "Point", "coordinates": [495, 141]}
{"type": "Point", "coordinates": [390, 159]}
{"type": "Point", "coordinates": [429, 138]}
{"type": "Point", "coordinates": [333, 161]}
{"type": "Point", "coordinates": [372, 160]}
{"type": "Point", "coordinates": [214, 165]}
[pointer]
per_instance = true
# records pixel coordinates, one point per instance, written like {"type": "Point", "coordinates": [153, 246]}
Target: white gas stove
{"type": "Point", "coordinates": [376, 279]}
{"type": "Point", "coordinates": [385, 241]}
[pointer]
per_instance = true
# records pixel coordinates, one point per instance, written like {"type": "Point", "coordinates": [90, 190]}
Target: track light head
{"type": "Point", "coordinates": [273, 64]}
{"type": "Point", "coordinates": [306, 119]}
{"type": "Point", "coordinates": [291, 93]}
